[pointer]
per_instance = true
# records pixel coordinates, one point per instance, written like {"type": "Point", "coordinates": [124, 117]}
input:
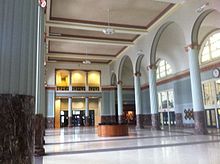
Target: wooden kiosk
{"type": "Point", "coordinates": [112, 130]}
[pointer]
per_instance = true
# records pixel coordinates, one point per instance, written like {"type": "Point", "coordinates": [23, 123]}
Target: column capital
{"type": "Point", "coordinates": [192, 46]}
{"type": "Point", "coordinates": [119, 82]}
{"type": "Point", "coordinates": [152, 66]}
{"type": "Point", "coordinates": [137, 74]}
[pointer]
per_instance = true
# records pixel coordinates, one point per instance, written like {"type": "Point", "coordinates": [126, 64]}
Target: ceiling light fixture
{"type": "Point", "coordinates": [201, 8]}
{"type": "Point", "coordinates": [86, 61]}
{"type": "Point", "coordinates": [108, 30]}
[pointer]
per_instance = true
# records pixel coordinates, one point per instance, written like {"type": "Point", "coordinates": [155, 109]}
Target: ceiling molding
{"type": "Point", "coordinates": [89, 41]}
{"type": "Point", "coordinates": [80, 56]}
{"type": "Point", "coordinates": [92, 27]}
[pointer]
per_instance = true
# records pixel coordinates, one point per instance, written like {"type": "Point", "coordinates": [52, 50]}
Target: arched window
{"type": "Point", "coordinates": [211, 49]}
{"type": "Point", "coordinates": [163, 69]}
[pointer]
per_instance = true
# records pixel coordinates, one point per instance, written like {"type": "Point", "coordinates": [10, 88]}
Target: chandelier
{"type": "Point", "coordinates": [108, 30]}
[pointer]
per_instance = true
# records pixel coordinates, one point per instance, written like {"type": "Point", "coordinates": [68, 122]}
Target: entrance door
{"type": "Point", "coordinates": [63, 118]}
{"type": "Point", "coordinates": [168, 118]}
{"type": "Point", "coordinates": [210, 118]}
{"type": "Point", "coordinates": [218, 114]}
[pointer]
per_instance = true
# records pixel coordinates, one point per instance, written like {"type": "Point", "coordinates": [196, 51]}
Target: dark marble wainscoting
{"type": "Point", "coordinates": [39, 135]}
{"type": "Point", "coordinates": [147, 119]}
{"type": "Point", "coordinates": [108, 119]}
{"type": "Point", "coordinates": [139, 121]}
{"type": "Point", "coordinates": [122, 118]}
{"type": "Point", "coordinates": [179, 119]}
{"type": "Point", "coordinates": [189, 125]}
{"type": "Point", "coordinates": [200, 123]}
{"type": "Point", "coordinates": [155, 119]}
{"type": "Point", "coordinates": [49, 121]}
{"type": "Point", "coordinates": [16, 129]}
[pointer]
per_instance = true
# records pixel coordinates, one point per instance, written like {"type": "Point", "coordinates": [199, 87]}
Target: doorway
{"type": "Point", "coordinates": [63, 118]}
{"type": "Point", "coordinates": [211, 118]}
{"type": "Point", "coordinates": [79, 118]}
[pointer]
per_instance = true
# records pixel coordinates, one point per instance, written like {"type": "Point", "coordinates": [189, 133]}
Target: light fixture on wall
{"type": "Point", "coordinates": [42, 3]}
{"type": "Point", "coordinates": [108, 30]}
{"type": "Point", "coordinates": [202, 7]}
{"type": "Point", "coordinates": [86, 61]}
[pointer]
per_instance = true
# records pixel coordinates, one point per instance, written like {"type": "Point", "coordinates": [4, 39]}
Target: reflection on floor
{"type": "Point", "coordinates": [174, 146]}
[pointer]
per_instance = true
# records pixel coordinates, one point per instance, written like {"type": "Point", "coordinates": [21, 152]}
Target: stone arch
{"type": "Point", "coordinates": [138, 63]}
{"type": "Point", "coordinates": [173, 50]}
{"type": "Point", "coordinates": [156, 41]}
{"type": "Point", "coordinates": [197, 24]}
{"type": "Point", "coordinates": [113, 79]}
{"type": "Point", "coordinates": [126, 57]}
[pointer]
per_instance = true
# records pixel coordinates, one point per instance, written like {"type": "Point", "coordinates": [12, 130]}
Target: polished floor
{"type": "Point", "coordinates": [168, 146]}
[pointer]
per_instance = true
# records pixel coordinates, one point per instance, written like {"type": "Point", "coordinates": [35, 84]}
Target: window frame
{"type": "Point", "coordinates": [203, 45]}
{"type": "Point", "coordinates": [165, 71]}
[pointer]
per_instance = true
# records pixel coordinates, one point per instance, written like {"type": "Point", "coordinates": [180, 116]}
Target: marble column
{"type": "Point", "coordinates": [138, 108]}
{"type": "Point", "coordinates": [155, 117]}
{"type": "Point", "coordinates": [86, 111]}
{"type": "Point", "coordinates": [40, 87]}
{"type": "Point", "coordinates": [120, 102]}
{"type": "Point", "coordinates": [18, 35]}
{"type": "Point", "coordinates": [196, 87]}
{"type": "Point", "coordinates": [70, 112]}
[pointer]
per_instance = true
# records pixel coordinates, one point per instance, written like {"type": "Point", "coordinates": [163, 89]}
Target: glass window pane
{"type": "Point", "coordinates": [208, 93]}
{"type": "Point", "coordinates": [216, 53]}
{"type": "Point", "coordinates": [218, 91]}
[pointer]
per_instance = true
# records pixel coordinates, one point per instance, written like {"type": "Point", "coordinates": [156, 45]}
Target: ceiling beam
{"type": "Point", "coordinates": [89, 41]}
{"type": "Point", "coordinates": [92, 27]}
{"type": "Point", "coordinates": [75, 56]}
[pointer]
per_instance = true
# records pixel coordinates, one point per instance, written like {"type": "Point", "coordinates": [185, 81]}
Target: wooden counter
{"type": "Point", "coordinates": [112, 130]}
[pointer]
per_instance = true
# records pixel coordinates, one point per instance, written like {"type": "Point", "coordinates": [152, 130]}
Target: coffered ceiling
{"type": "Point", "coordinates": [74, 27]}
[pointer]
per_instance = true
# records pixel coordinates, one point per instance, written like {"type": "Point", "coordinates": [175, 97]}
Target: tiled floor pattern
{"type": "Point", "coordinates": [169, 146]}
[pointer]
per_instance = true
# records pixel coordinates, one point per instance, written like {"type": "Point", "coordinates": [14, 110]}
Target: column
{"type": "Point", "coordinates": [86, 111]}
{"type": "Point", "coordinates": [155, 117]}
{"type": "Point", "coordinates": [18, 35]}
{"type": "Point", "coordinates": [50, 107]}
{"type": "Point", "coordinates": [196, 87]}
{"type": "Point", "coordinates": [40, 88]}
{"type": "Point", "coordinates": [112, 105]}
{"type": "Point", "coordinates": [138, 108]}
{"type": "Point", "coordinates": [87, 85]}
{"type": "Point", "coordinates": [70, 82]}
{"type": "Point", "coordinates": [120, 102]}
{"type": "Point", "coordinates": [70, 112]}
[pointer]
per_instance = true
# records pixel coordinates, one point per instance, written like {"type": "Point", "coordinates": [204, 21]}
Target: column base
{"type": "Point", "coordinates": [200, 123]}
{"type": "Point", "coordinates": [121, 119]}
{"type": "Point", "coordinates": [17, 129]}
{"type": "Point", "coordinates": [49, 122]}
{"type": "Point", "coordinates": [87, 121]}
{"type": "Point", "coordinates": [70, 122]}
{"type": "Point", "coordinates": [147, 119]}
{"type": "Point", "coordinates": [39, 151]}
{"type": "Point", "coordinates": [139, 121]}
{"type": "Point", "coordinates": [155, 120]}
{"type": "Point", "coordinates": [179, 120]}
{"type": "Point", "coordinates": [39, 135]}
